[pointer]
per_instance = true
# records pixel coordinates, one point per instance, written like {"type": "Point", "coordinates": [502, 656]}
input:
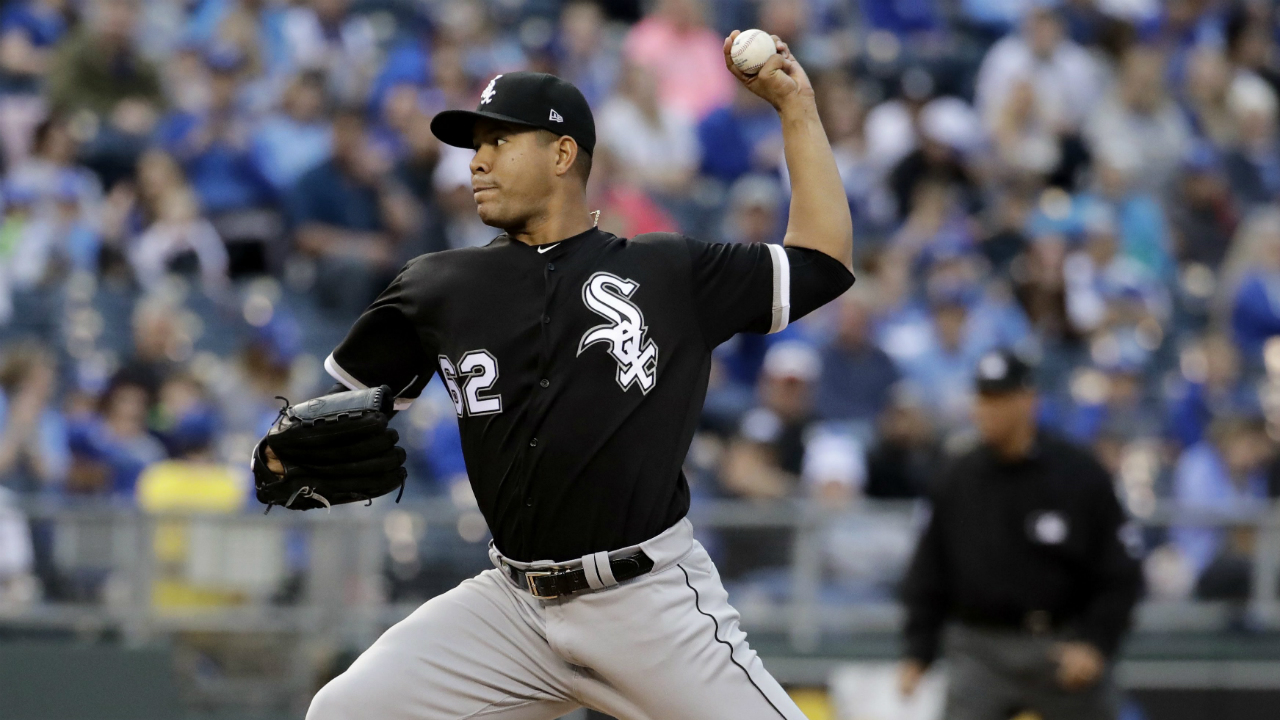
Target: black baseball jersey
{"type": "Point", "coordinates": [577, 369]}
{"type": "Point", "coordinates": [1007, 541]}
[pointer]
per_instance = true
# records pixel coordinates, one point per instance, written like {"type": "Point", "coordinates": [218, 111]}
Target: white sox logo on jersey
{"type": "Point", "coordinates": [487, 95]}
{"type": "Point", "coordinates": [607, 296]}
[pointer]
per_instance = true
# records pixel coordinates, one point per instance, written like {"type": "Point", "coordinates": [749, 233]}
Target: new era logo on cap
{"type": "Point", "coordinates": [555, 116]}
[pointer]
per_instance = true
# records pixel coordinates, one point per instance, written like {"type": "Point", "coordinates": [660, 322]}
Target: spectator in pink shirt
{"type": "Point", "coordinates": [684, 54]}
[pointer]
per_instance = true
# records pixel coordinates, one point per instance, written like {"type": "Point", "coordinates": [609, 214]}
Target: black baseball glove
{"type": "Point", "coordinates": [335, 449]}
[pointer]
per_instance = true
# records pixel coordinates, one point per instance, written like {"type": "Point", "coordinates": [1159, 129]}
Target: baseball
{"type": "Point", "coordinates": [751, 49]}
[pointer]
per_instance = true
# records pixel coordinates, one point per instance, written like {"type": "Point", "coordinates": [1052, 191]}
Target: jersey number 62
{"type": "Point", "coordinates": [475, 373]}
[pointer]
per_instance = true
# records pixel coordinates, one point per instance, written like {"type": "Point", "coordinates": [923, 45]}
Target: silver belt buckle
{"type": "Point", "coordinates": [533, 586]}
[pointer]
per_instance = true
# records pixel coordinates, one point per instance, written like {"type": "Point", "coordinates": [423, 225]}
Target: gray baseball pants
{"type": "Point", "coordinates": [663, 646]}
{"type": "Point", "coordinates": [992, 674]}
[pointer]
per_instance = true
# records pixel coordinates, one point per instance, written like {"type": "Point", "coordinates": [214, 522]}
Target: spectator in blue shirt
{"type": "Point", "coordinates": [857, 376]}
{"type": "Point", "coordinates": [1211, 386]}
{"type": "Point", "coordinates": [902, 17]}
{"type": "Point", "coordinates": [1225, 473]}
{"type": "Point", "coordinates": [350, 214]}
{"type": "Point", "coordinates": [744, 136]}
{"type": "Point", "coordinates": [112, 447]}
{"type": "Point", "coordinates": [296, 139]}
{"type": "Point", "coordinates": [1250, 286]}
{"type": "Point", "coordinates": [213, 146]}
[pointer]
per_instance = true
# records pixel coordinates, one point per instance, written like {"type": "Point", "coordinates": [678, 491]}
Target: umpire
{"type": "Point", "coordinates": [1027, 561]}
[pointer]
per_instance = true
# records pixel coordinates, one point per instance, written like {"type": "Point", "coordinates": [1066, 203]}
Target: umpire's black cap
{"type": "Point", "coordinates": [1002, 371]}
{"type": "Point", "coordinates": [536, 100]}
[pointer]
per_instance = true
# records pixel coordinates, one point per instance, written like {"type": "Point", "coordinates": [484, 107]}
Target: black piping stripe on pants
{"type": "Point", "coordinates": [716, 634]}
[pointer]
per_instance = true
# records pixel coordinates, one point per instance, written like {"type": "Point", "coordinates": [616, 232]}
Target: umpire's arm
{"type": "Point", "coordinates": [819, 218]}
{"type": "Point", "coordinates": [924, 593]}
{"type": "Point", "coordinates": [1117, 576]}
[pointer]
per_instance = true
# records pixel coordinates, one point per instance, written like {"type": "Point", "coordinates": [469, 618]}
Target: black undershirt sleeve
{"type": "Point", "coordinates": [816, 279]}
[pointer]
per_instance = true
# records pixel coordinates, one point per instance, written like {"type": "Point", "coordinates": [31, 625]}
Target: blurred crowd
{"type": "Point", "coordinates": [199, 196]}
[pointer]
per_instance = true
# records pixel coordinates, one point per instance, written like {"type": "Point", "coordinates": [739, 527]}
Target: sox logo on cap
{"type": "Point", "coordinates": [487, 95]}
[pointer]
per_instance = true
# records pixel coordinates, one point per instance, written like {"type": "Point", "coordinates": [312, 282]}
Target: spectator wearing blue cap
{"type": "Point", "coordinates": [932, 354]}
{"type": "Point", "coordinates": [936, 341]}
{"type": "Point", "coordinates": [1109, 401]}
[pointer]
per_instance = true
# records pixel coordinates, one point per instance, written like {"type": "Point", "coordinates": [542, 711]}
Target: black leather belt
{"type": "Point", "coordinates": [550, 582]}
{"type": "Point", "coordinates": [1035, 622]}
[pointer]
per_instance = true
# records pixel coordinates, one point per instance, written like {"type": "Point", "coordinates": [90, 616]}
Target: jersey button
{"type": "Point", "coordinates": [546, 319]}
{"type": "Point", "coordinates": [551, 267]}
{"type": "Point", "coordinates": [533, 442]}
{"type": "Point", "coordinates": [545, 383]}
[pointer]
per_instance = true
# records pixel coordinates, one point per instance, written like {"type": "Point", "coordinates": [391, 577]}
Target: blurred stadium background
{"type": "Point", "coordinates": [199, 196]}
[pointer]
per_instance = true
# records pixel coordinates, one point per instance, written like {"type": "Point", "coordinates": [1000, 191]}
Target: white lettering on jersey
{"type": "Point", "coordinates": [476, 372]}
{"type": "Point", "coordinates": [487, 95]}
{"type": "Point", "coordinates": [607, 296]}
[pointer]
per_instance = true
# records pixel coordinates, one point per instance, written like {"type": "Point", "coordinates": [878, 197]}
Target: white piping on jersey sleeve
{"type": "Point", "coordinates": [331, 366]}
{"type": "Point", "coordinates": [781, 288]}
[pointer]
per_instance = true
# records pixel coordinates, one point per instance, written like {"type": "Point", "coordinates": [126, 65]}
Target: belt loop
{"type": "Point", "coordinates": [603, 566]}
{"type": "Point", "coordinates": [592, 573]}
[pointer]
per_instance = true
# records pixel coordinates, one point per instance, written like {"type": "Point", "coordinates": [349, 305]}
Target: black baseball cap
{"type": "Point", "coordinates": [532, 99]}
{"type": "Point", "coordinates": [1002, 371]}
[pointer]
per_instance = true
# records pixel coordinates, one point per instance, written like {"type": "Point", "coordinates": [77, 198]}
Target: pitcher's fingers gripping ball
{"type": "Point", "coordinates": [751, 50]}
{"type": "Point", "coordinates": [335, 449]}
